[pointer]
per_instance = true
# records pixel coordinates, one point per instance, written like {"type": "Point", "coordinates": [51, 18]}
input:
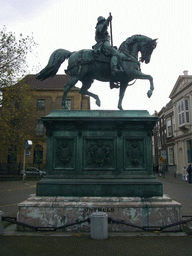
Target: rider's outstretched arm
{"type": "Point", "coordinates": [106, 24]}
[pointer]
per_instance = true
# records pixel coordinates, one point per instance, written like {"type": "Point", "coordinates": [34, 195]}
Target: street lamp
{"type": "Point", "coordinates": [27, 146]}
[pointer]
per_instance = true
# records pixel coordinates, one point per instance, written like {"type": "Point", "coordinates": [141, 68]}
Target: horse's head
{"type": "Point", "coordinates": [147, 49]}
{"type": "Point", "coordinates": [139, 43]}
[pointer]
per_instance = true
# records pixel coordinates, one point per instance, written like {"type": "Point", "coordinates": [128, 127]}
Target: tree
{"type": "Point", "coordinates": [13, 56]}
{"type": "Point", "coordinates": [16, 120]}
{"type": "Point", "coordinates": [16, 114]}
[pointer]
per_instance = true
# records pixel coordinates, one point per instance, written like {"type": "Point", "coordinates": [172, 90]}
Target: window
{"type": "Point", "coordinates": [183, 111]}
{"type": "Point", "coordinates": [170, 155]}
{"type": "Point", "coordinates": [161, 122]}
{"type": "Point", "coordinates": [158, 140]}
{"type": "Point", "coordinates": [169, 127]}
{"type": "Point", "coordinates": [68, 103]}
{"type": "Point", "coordinates": [40, 104]}
{"type": "Point", "coordinates": [189, 151]}
{"type": "Point", "coordinates": [12, 155]}
{"type": "Point", "coordinates": [38, 154]}
{"type": "Point", "coordinates": [39, 127]}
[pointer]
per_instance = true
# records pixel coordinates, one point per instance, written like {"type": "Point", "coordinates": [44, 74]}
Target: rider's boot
{"type": "Point", "coordinates": [114, 69]}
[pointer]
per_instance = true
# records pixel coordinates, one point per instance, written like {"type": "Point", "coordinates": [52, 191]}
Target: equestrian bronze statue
{"type": "Point", "coordinates": [104, 63]}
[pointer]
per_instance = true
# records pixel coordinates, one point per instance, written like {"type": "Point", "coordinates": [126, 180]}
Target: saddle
{"type": "Point", "coordinates": [87, 56]}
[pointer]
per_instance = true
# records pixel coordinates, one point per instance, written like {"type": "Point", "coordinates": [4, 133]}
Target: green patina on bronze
{"type": "Point", "coordinates": [104, 63]}
{"type": "Point", "coordinates": [99, 153]}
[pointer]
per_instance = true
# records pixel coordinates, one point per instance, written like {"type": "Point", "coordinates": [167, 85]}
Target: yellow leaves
{"type": "Point", "coordinates": [17, 114]}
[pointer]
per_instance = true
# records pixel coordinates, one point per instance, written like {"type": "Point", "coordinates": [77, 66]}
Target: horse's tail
{"type": "Point", "coordinates": [55, 61]}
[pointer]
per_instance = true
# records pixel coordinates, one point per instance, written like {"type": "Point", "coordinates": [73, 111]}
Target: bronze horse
{"type": "Point", "coordinates": [85, 66]}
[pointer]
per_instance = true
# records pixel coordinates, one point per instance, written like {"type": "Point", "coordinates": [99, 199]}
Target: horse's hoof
{"type": "Point", "coordinates": [98, 103]}
{"type": "Point", "coordinates": [149, 93]}
{"type": "Point", "coordinates": [120, 108]}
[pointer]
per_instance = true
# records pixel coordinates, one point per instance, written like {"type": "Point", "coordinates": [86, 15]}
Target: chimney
{"type": "Point", "coordinates": [185, 72]}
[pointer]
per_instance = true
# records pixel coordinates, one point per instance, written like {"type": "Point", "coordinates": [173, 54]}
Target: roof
{"type": "Point", "coordinates": [178, 87]}
{"type": "Point", "coordinates": [57, 82]}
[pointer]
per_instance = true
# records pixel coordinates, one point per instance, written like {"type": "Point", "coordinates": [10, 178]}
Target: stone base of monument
{"type": "Point", "coordinates": [59, 211]}
{"type": "Point", "coordinates": [99, 161]}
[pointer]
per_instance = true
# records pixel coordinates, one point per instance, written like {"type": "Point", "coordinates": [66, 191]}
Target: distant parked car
{"type": "Point", "coordinates": [33, 171]}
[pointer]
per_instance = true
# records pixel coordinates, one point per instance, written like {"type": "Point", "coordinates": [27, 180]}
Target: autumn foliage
{"type": "Point", "coordinates": [16, 113]}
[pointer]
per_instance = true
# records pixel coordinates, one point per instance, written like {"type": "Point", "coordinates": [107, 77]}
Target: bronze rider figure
{"type": "Point", "coordinates": [103, 43]}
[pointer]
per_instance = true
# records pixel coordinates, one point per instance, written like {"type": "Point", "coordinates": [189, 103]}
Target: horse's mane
{"type": "Point", "coordinates": [126, 45]}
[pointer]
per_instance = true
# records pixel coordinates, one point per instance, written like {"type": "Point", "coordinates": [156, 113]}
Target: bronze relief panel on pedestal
{"type": "Point", "coordinates": [99, 153]}
{"type": "Point", "coordinates": [134, 153]}
{"type": "Point", "coordinates": [64, 153]}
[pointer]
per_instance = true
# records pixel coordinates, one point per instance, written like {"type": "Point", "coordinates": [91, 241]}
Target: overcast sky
{"type": "Point", "coordinates": [70, 24]}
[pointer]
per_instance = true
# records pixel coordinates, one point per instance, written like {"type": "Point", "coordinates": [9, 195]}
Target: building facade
{"type": "Point", "coordinates": [173, 132]}
{"type": "Point", "coordinates": [47, 96]}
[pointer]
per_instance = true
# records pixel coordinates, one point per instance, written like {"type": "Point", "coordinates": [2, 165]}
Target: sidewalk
{"type": "Point", "coordinates": [179, 190]}
{"type": "Point", "coordinates": [83, 245]}
{"type": "Point", "coordinates": [133, 244]}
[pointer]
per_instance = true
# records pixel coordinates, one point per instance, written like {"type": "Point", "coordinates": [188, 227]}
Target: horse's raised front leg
{"type": "Point", "coordinates": [67, 88]}
{"type": "Point", "coordinates": [84, 90]}
{"type": "Point", "coordinates": [140, 75]}
{"type": "Point", "coordinates": [121, 95]}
